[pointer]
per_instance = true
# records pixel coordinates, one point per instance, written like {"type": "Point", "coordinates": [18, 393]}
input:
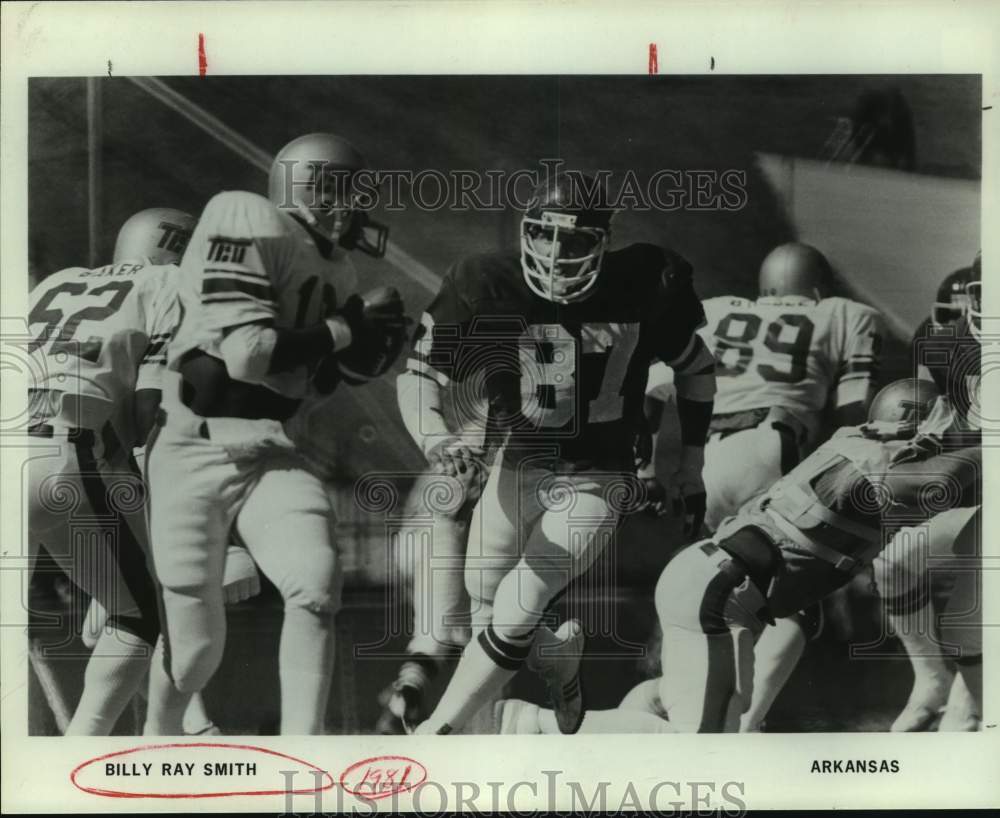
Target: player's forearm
{"type": "Point", "coordinates": [694, 375]}
{"type": "Point", "coordinates": [146, 402]}
{"type": "Point", "coordinates": [653, 410]}
{"type": "Point", "coordinates": [419, 398]}
{"type": "Point", "coordinates": [908, 482]}
{"type": "Point", "coordinates": [252, 351]}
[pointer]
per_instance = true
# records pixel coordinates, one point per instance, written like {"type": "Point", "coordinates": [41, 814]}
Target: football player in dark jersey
{"type": "Point", "coordinates": [560, 339]}
{"type": "Point", "coordinates": [947, 348]}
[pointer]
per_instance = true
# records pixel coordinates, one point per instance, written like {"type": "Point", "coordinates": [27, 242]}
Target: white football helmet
{"type": "Point", "coordinates": [157, 235]}
{"type": "Point", "coordinates": [794, 269]}
{"type": "Point", "coordinates": [314, 178]}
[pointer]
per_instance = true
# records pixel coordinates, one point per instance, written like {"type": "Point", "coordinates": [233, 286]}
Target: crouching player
{"type": "Point", "coordinates": [807, 536]}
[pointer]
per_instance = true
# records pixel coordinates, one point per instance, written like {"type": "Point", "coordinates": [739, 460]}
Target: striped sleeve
{"type": "Point", "coordinates": [238, 253]}
{"type": "Point", "coordinates": [858, 369]}
{"type": "Point", "coordinates": [162, 317]}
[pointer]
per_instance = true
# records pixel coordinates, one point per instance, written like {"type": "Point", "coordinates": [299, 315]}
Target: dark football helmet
{"type": "Point", "coordinates": [314, 177]}
{"type": "Point", "coordinates": [952, 299]}
{"type": "Point", "coordinates": [794, 269]}
{"type": "Point", "coordinates": [564, 233]}
{"type": "Point", "coordinates": [157, 235]}
{"type": "Point", "coordinates": [908, 400]}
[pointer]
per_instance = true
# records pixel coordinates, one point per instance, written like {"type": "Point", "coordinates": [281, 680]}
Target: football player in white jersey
{"type": "Point", "coordinates": [783, 361]}
{"type": "Point", "coordinates": [98, 348]}
{"type": "Point", "coordinates": [808, 535]}
{"type": "Point", "coordinates": [269, 320]}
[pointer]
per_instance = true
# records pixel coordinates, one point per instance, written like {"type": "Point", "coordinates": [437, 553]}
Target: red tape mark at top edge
{"type": "Point", "coordinates": [202, 59]}
{"type": "Point", "coordinates": [654, 68]}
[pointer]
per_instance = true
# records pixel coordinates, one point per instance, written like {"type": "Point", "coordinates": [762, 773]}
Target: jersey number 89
{"type": "Point", "coordinates": [736, 338]}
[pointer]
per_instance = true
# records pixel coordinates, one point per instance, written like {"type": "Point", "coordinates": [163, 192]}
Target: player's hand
{"type": "Point", "coordinates": [240, 581]}
{"type": "Point", "coordinates": [381, 307]}
{"type": "Point", "coordinates": [643, 449]}
{"type": "Point", "coordinates": [688, 500]}
{"type": "Point", "coordinates": [456, 457]}
{"type": "Point", "coordinates": [655, 501]}
{"type": "Point", "coordinates": [920, 448]}
{"type": "Point", "coordinates": [687, 491]}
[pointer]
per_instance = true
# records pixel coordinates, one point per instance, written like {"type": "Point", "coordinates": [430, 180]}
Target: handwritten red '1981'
{"type": "Point", "coordinates": [380, 777]}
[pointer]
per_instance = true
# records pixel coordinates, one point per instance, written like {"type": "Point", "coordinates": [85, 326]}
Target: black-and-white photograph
{"type": "Point", "coordinates": [508, 407]}
{"type": "Point", "coordinates": [504, 404]}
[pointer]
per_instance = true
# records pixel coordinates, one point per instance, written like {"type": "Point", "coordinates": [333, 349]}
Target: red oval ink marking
{"type": "Point", "coordinates": [381, 776]}
{"type": "Point", "coordinates": [202, 59]}
{"type": "Point", "coordinates": [281, 763]}
{"type": "Point", "coordinates": [654, 67]}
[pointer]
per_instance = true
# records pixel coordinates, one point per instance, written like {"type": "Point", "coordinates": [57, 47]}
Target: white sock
{"type": "Point", "coordinates": [196, 717]}
{"type": "Point", "coordinates": [166, 706]}
{"type": "Point", "coordinates": [487, 664]}
{"type": "Point", "coordinates": [305, 667]}
{"type": "Point", "coordinates": [115, 672]}
{"type": "Point", "coordinates": [775, 657]}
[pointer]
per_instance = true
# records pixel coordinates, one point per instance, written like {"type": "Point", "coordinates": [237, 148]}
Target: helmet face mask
{"type": "Point", "coordinates": [561, 262]}
{"type": "Point", "coordinates": [952, 300]}
{"type": "Point", "coordinates": [974, 291]}
{"type": "Point", "coordinates": [313, 177]}
{"type": "Point", "coordinates": [564, 236]}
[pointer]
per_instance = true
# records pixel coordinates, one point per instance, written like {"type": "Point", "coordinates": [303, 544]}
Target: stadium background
{"type": "Point", "coordinates": [880, 173]}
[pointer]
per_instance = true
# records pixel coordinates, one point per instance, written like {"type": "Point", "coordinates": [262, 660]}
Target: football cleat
{"type": "Point", "coordinates": [556, 657]}
{"type": "Point", "coordinates": [403, 709]}
{"type": "Point", "coordinates": [210, 729]}
{"type": "Point", "coordinates": [925, 705]}
{"type": "Point", "coordinates": [515, 717]}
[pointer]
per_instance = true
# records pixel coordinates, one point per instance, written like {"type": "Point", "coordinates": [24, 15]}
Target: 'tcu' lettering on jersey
{"type": "Point", "coordinates": [226, 249]}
